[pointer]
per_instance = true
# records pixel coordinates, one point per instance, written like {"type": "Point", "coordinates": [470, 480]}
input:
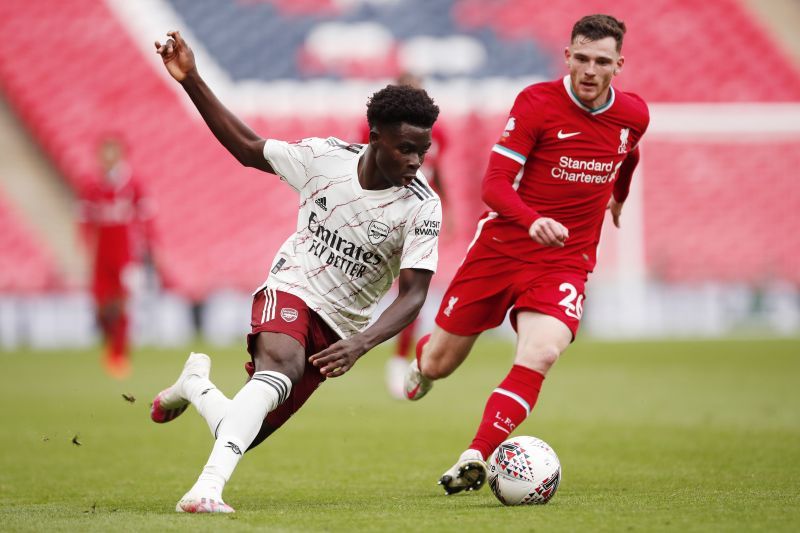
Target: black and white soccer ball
{"type": "Point", "coordinates": [524, 471]}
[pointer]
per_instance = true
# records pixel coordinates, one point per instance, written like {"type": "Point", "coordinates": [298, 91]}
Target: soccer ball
{"type": "Point", "coordinates": [524, 471]}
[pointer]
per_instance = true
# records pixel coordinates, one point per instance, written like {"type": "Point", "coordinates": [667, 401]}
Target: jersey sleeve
{"type": "Point", "coordinates": [623, 184]}
{"type": "Point", "coordinates": [522, 128]}
{"type": "Point", "coordinates": [498, 192]}
{"type": "Point", "coordinates": [508, 155]}
{"type": "Point", "coordinates": [291, 161]}
{"type": "Point", "coordinates": [421, 246]}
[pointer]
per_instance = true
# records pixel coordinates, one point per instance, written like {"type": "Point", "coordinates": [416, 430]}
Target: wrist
{"type": "Point", "coordinates": [190, 77]}
{"type": "Point", "coordinates": [363, 343]}
{"type": "Point", "coordinates": [532, 223]}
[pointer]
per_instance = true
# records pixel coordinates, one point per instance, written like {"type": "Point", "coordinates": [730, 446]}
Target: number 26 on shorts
{"type": "Point", "coordinates": [572, 302]}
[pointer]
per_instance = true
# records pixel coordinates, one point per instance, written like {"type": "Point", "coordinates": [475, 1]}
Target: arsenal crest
{"type": "Point", "coordinates": [377, 232]}
{"type": "Point", "coordinates": [288, 314]}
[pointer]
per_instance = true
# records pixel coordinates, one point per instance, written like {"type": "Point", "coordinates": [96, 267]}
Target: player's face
{"type": "Point", "coordinates": [592, 65]}
{"type": "Point", "coordinates": [400, 151]}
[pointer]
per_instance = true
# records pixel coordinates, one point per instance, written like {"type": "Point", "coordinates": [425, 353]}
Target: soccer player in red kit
{"type": "Point", "coordinates": [566, 155]}
{"type": "Point", "coordinates": [115, 217]}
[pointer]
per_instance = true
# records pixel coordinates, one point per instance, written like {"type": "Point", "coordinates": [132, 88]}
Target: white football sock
{"type": "Point", "coordinates": [243, 419]}
{"type": "Point", "coordinates": [210, 402]}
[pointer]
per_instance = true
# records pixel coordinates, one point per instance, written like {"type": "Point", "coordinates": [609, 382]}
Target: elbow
{"type": "Point", "coordinates": [248, 157]}
{"type": "Point", "coordinates": [486, 188]}
{"type": "Point", "coordinates": [416, 306]}
{"type": "Point", "coordinates": [487, 194]}
{"type": "Point", "coordinates": [247, 161]}
{"type": "Point", "coordinates": [415, 303]}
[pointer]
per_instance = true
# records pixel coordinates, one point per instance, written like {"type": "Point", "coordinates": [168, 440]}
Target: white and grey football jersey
{"type": "Point", "coordinates": [350, 243]}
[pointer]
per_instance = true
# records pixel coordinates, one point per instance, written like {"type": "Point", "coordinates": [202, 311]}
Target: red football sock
{"type": "Point", "coordinates": [404, 339]}
{"type": "Point", "coordinates": [507, 407]}
{"type": "Point", "coordinates": [420, 345]}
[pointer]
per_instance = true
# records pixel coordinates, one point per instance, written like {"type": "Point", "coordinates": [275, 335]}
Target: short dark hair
{"type": "Point", "coordinates": [401, 103]}
{"type": "Point", "coordinates": [596, 27]}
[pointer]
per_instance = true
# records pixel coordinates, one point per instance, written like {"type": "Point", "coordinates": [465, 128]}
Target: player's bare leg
{"type": "Point", "coordinates": [541, 341]}
{"type": "Point", "coordinates": [438, 355]}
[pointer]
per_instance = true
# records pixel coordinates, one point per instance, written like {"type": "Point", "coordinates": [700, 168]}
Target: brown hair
{"type": "Point", "coordinates": [596, 27]}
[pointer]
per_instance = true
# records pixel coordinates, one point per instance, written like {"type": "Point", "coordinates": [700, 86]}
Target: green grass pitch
{"type": "Point", "coordinates": [658, 436]}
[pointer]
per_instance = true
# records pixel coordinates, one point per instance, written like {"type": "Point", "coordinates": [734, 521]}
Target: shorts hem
{"type": "Point", "coordinates": [264, 328]}
{"type": "Point", "coordinates": [462, 333]}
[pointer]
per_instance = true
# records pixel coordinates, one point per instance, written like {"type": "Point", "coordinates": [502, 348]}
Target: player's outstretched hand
{"type": "Point", "coordinates": [548, 232]}
{"type": "Point", "coordinates": [338, 358]}
{"type": "Point", "coordinates": [177, 56]}
{"type": "Point", "coordinates": [616, 210]}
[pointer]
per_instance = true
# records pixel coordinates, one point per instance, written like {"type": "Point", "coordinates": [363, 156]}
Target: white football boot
{"type": "Point", "coordinates": [172, 401]}
{"type": "Point", "coordinates": [416, 384]}
{"type": "Point", "coordinates": [396, 368]}
{"type": "Point", "coordinates": [196, 504]}
{"type": "Point", "coordinates": [469, 473]}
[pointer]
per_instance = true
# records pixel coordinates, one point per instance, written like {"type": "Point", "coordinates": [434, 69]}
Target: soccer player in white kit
{"type": "Point", "coordinates": [366, 217]}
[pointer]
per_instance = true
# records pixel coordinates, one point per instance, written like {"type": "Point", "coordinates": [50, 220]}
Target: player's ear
{"type": "Point", "coordinates": [374, 135]}
{"type": "Point", "coordinates": [566, 55]}
{"type": "Point", "coordinates": [618, 67]}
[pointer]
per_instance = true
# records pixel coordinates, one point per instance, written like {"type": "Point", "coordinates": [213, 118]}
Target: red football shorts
{"type": "Point", "coordinates": [488, 284]}
{"type": "Point", "coordinates": [280, 312]}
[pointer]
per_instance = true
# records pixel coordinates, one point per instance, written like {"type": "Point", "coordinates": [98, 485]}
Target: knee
{"type": "Point", "coordinates": [539, 357]}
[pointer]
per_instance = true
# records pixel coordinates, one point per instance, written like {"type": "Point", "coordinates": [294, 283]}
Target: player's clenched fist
{"type": "Point", "coordinates": [548, 232]}
{"type": "Point", "coordinates": [177, 56]}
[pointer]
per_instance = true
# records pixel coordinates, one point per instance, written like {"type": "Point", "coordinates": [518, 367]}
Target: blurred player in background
{"type": "Point", "coordinates": [116, 222]}
{"type": "Point", "coordinates": [397, 365]}
{"type": "Point", "coordinates": [366, 217]}
{"type": "Point", "coordinates": [567, 154]}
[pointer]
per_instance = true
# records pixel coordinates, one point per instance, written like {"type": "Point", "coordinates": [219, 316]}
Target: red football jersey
{"type": "Point", "coordinates": [119, 215]}
{"type": "Point", "coordinates": [570, 158]}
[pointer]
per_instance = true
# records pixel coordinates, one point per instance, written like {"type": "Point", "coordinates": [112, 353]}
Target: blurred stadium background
{"type": "Point", "coordinates": [710, 244]}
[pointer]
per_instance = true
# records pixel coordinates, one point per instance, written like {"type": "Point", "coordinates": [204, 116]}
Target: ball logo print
{"type": "Point", "coordinates": [524, 471]}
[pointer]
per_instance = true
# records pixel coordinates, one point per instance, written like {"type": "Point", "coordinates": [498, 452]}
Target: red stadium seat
{"type": "Point", "coordinates": [219, 223]}
{"type": "Point", "coordinates": [25, 264]}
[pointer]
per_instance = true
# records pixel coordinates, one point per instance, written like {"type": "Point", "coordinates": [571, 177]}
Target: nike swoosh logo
{"type": "Point", "coordinates": [504, 430]}
{"type": "Point", "coordinates": [562, 135]}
